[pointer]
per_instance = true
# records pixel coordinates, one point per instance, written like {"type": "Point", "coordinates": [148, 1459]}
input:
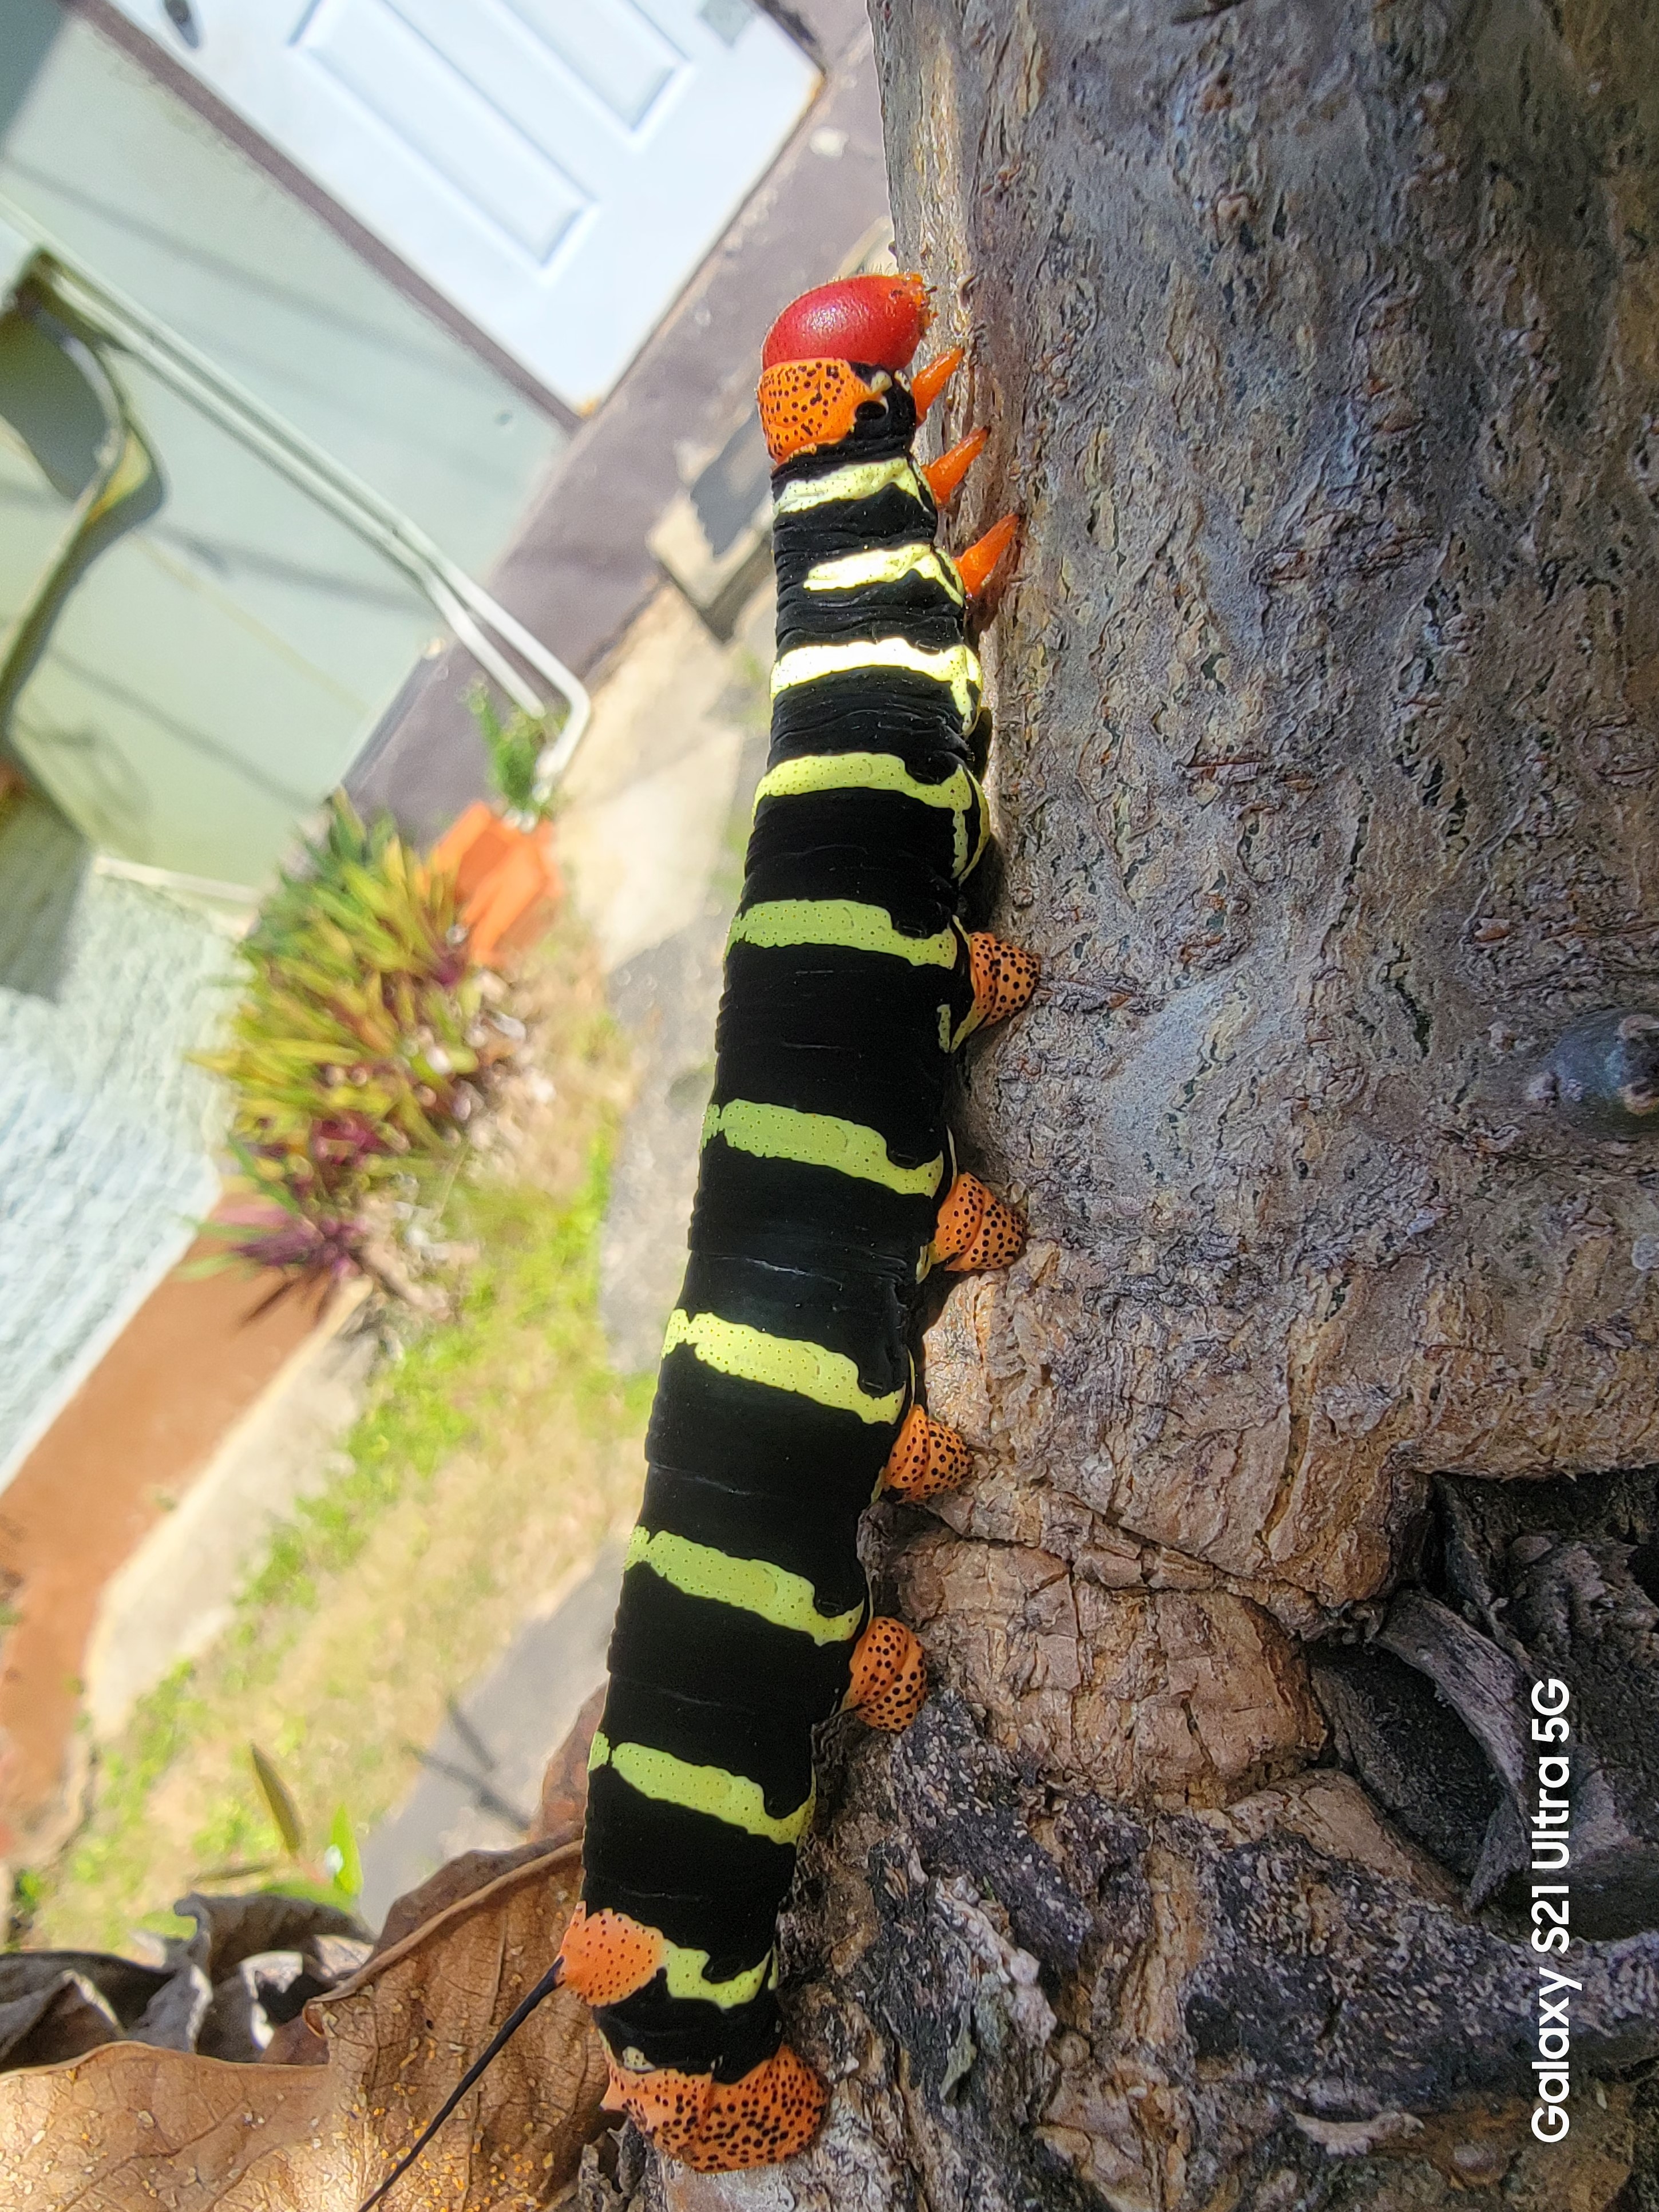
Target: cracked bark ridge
{"type": "Point", "coordinates": [1524, 1584]}
{"type": "Point", "coordinates": [1318, 343]}
{"type": "Point", "coordinates": [1031, 2003]}
{"type": "Point", "coordinates": [1564, 1575]}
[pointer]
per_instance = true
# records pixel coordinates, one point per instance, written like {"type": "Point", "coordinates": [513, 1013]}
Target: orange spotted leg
{"type": "Point", "coordinates": [890, 1675]}
{"type": "Point", "coordinates": [1004, 978]}
{"type": "Point", "coordinates": [771, 2112]}
{"type": "Point", "coordinates": [927, 1458]}
{"type": "Point", "coordinates": [606, 1956]}
{"type": "Point", "coordinates": [975, 1230]}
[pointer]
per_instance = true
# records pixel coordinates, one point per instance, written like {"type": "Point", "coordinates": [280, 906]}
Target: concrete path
{"type": "Point", "coordinates": [484, 1773]}
{"type": "Point", "coordinates": [176, 1593]}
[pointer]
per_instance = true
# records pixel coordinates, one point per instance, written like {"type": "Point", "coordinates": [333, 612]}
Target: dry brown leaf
{"type": "Point", "coordinates": [130, 2127]}
{"type": "Point", "coordinates": [461, 1876]}
{"type": "Point", "coordinates": [232, 1929]}
{"type": "Point", "coordinates": [295, 2043]}
{"type": "Point", "coordinates": [64, 2018]}
{"type": "Point", "coordinates": [564, 1781]}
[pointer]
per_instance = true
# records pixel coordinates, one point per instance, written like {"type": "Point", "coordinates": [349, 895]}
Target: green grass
{"type": "Point", "coordinates": [535, 1255]}
{"type": "Point", "coordinates": [494, 1456]}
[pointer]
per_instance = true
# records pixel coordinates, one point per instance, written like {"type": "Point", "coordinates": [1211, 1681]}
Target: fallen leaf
{"type": "Point", "coordinates": [208, 1996]}
{"type": "Point", "coordinates": [457, 1878]}
{"type": "Point", "coordinates": [59, 2020]}
{"type": "Point", "coordinates": [131, 2126]}
{"type": "Point", "coordinates": [267, 1991]}
{"type": "Point", "coordinates": [563, 1806]}
{"type": "Point", "coordinates": [231, 1929]}
{"type": "Point", "coordinates": [295, 2042]}
{"type": "Point", "coordinates": [124, 1985]}
{"type": "Point", "coordinates": [250, 1948]}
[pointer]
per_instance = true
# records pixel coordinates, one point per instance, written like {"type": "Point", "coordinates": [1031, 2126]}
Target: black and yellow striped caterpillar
{"type": "Point", "coordinates": [786, 1396]}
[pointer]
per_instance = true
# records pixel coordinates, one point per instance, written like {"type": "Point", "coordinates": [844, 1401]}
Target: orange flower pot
{"type": "Point", "coordinates": [506, 880]}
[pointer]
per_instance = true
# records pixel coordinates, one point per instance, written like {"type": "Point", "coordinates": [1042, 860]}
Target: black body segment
{"type": "Point", "coordinates": [787, 1364]}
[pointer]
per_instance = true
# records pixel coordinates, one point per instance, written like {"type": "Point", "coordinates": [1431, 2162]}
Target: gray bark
{"type": "Point", "coordinates": [1318, 339]}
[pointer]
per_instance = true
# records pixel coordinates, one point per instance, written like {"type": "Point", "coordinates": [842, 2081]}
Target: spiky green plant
{"type": "Point", "coordinates": [360, 1045]}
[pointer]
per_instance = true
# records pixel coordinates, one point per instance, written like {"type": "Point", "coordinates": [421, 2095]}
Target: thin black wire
{"type": "Point", "coordinates": [508, 2029]}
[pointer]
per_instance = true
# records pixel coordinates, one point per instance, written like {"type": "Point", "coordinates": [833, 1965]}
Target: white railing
{"type": "Point", "coordinates": [479, 623]}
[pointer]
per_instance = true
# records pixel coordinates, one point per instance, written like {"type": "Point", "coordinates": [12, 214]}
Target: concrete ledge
{"type": "Point", "coordinates": [175, 1594]}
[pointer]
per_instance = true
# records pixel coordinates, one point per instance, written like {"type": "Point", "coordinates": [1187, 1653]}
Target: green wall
{"type": "Point", "coordinates": [217, 671]}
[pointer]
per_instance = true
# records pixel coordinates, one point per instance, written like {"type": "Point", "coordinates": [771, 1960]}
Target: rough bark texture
{"type": "Point", "coordinates": [1320, 340]}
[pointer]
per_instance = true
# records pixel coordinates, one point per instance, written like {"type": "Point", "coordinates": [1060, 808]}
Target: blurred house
{"type": "Point", "coordinates": [349, 349]}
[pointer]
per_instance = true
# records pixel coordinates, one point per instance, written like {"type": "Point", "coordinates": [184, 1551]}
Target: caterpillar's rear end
{"type": "Point", "coordinates": [826, 1191]}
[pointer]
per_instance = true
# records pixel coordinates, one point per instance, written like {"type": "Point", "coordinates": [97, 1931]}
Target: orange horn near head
{"type": "Point", "coordinates": [926, 384]}
{"type": "Point", "coordinates": [945, 474]}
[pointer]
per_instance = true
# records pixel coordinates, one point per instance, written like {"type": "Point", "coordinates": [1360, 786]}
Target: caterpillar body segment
{"type": "Point", "coordinates": [826, 1189]}
{"type": "Point", "coordinates": [771, 2114]}
{"type": "Point", "coordinates": [816, 399]}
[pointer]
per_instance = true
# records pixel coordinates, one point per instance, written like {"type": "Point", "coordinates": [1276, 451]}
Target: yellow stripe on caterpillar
{"type": "Point", "coordinates": [685, 1969]}
{"type": "Point", "coordinates": [858, 480]}
{"type": "Point", "coordinates": [815, 772]}
{"type": "Point", "coordinates": [781, 1362]}
{"type": "Point", "coordinates": [757, 1586]}
{"type": "Point", "coordinates": [732, 1798]}
{"type": "Point", "coordinates": [957, 666]}
{"type": "Point", "coordinates": [887, 564]}
{"type": "Point", "coordinates": [818, 1140]}
{"type": "Point", "coordinates": [845, 924]}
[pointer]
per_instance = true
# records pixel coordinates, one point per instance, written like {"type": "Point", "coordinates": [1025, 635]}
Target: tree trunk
{"type": "Point", "coordinates": [1319, 340]}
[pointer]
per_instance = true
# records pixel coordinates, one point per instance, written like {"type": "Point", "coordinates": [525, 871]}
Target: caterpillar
{"type": "Point", "coordinates": [787, 1399]}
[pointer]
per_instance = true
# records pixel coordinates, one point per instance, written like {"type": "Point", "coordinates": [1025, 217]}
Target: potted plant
{"type": "Point", "coordinates": [506, 881]}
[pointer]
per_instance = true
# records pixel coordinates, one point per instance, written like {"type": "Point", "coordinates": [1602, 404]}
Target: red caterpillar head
{"type": "Point", "coordinates": [810, 393]}
{"type": "Point", "coordinates": [876, 319]}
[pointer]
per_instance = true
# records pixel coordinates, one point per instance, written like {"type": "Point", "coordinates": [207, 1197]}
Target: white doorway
{"type": "Point", "coordinates": [556, 168]}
